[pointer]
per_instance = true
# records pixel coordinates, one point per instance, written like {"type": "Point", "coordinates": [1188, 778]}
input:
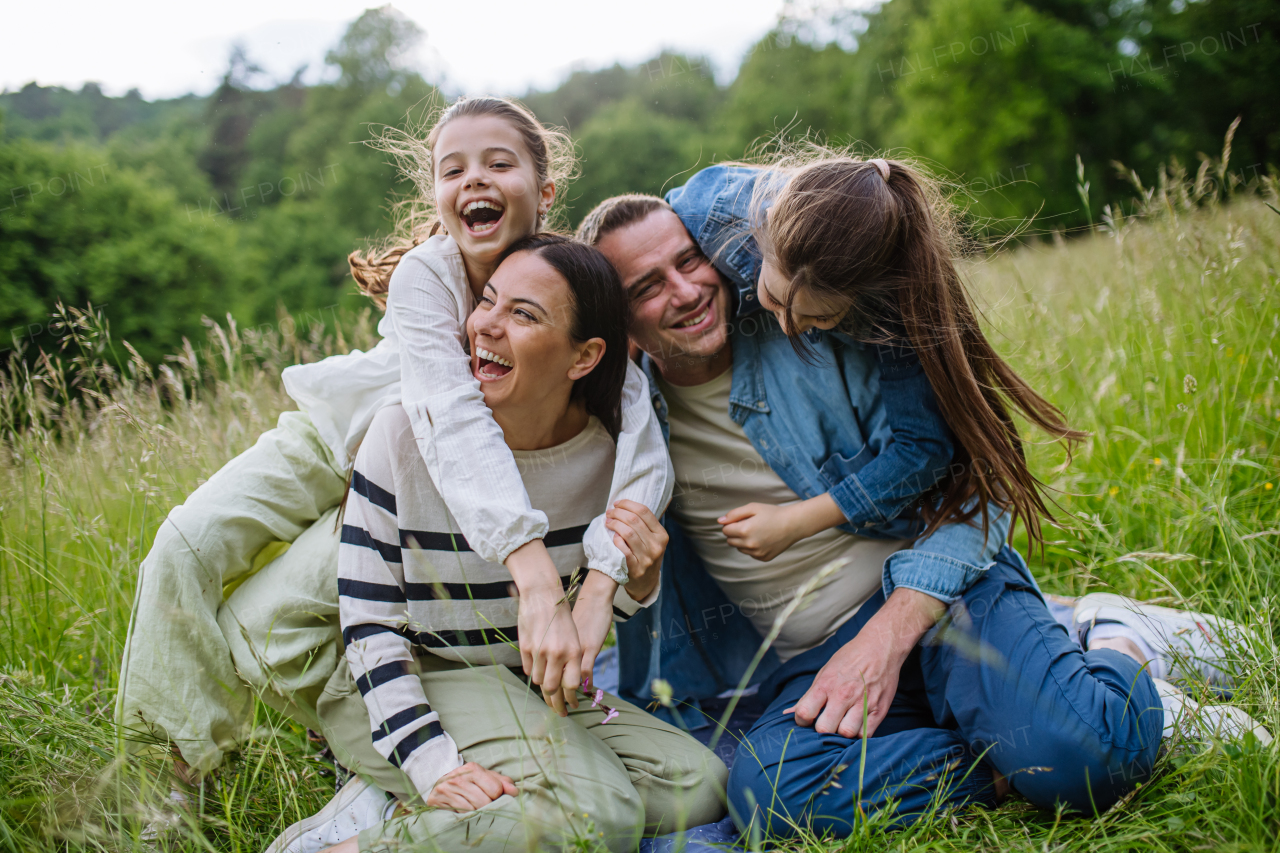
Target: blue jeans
{"type": "Point", "coordinates": [998, 684]}
{"type": "Point", "coordinates": [692, 637]}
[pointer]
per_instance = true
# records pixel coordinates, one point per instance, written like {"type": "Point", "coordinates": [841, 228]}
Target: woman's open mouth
{"type": "Point", "coordinates": [490, 365]}
{"type": "Point", "coordinates": [482, 217]}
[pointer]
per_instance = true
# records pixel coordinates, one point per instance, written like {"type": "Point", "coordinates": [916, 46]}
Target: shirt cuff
{"type": "Point", "coordinates": [602, 554]}
{"type": "Point", "coordinates": [431, 761]}
{"type": "Point", "coordinates": [855, 503]}
{"type": "Point", "coordinates": [525, 532]}
{"type": "Point", "coordinates": [624, 606]}
{"type": "Point", "coordinates": [945, 578]}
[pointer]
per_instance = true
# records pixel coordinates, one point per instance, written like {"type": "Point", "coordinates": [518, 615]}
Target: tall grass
{"type": "Point", "coordinates": [97, 447]}
{"type": "Point", "coordinates": [1160, 336]}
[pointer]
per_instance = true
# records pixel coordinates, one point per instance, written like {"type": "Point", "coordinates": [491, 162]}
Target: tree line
{"type": "Point", "coordinates": [249, 199]}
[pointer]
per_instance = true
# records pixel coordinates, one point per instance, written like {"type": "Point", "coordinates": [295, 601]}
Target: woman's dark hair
{"type": "Point", "coordinates": [878, 236]}
{"type": "Point", "coordinates": [600, 310]}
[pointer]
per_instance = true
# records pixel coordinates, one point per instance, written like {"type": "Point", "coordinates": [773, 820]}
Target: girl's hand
{"type": "Point", "coordinates": [864, 672]}
{"type": "Point", "coordinates": [592, 615]}
{"type": "Point", "coordinates": [642, 538]}
{"type": "Point", "coordinates": [764, 531]}
{"type": "Point", "coordinates": [549, 647]}
{"type": "Point", "coordinates": [468, 788]}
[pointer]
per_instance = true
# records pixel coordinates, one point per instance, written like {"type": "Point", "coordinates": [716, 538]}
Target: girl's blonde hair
{"type": "Point", "coordinates": [553, 156]}
{"type": "Point", "coordinates": [881, 237]}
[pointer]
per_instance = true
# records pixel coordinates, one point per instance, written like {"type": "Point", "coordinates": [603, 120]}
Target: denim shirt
{"type": "Point", "coordinates": [858, 422]}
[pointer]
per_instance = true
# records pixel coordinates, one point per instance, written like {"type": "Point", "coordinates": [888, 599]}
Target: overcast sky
{"type": "Point", "coordinates": [501, 46]}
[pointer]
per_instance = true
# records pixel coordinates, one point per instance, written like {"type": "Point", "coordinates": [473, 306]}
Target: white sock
{"type": "Point", "coordinates": [1110, 630]}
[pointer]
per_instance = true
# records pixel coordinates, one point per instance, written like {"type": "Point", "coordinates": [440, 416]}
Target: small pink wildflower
{"type": "Point", "coordinates": [598, 698]}
{"type": "Point", "coordinates": [613, 712]}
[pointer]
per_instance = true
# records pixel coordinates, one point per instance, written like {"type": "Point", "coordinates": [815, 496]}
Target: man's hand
{"type": "Point", "coordinates": [468, 788]}
{"type": "Point", "coordinates": [550, 650]}
{"type": "Point", "coordinates": [592, 615]}
{"type": "Point", "coordinates": [863, 674]}
{"type": "Point", "coordinates": [764, 531]}
{"type": "Point", "coordinates": [643, 540]}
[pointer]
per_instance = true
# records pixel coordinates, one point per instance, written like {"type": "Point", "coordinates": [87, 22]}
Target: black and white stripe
{"type": "Point", "coordinates": [409, 584]}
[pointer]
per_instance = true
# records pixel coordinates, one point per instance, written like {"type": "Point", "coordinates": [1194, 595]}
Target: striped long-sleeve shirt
{"type": "Point", "coordinates": [409, 583]}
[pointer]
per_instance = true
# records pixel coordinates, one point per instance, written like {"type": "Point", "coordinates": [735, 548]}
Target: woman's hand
{"type": "Point", "coordinates": [643, 540]}
{"type": "Point", "coordinates": [764, 531]}
{"type": "Point", "coordinates": [549, 647]}
{"type": "Point", "coordinates": [468, 788]}
{"type": "Point", "coordinates": [863, 674]}
{"type": "Point", "coordinates": [592, 615]}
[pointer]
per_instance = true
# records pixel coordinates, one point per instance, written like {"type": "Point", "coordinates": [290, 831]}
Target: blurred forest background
{"type": "Point", "coordinates": [247, 201]}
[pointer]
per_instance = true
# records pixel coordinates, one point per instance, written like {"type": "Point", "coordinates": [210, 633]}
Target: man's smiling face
{"type": "Point", "coordinates": [679, 303]}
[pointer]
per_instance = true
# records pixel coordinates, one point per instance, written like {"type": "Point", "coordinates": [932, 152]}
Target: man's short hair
{"type": "Point", "coordinates": [617, 212]}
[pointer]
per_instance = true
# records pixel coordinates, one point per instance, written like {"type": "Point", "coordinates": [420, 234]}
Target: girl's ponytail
{"type": "Point", "coordinates": [879, 236]}
{"type": "Point", "coordinates": [372, 268]}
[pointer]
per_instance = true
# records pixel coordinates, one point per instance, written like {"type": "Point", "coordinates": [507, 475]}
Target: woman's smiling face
{"type": "Point", "coordinates": [522, 349]}
{"type": "Point", "coordinates": [487, 188]}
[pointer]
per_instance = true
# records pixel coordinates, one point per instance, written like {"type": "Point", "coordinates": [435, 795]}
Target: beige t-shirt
{"type": "Point", "coordinates": [718, 469]}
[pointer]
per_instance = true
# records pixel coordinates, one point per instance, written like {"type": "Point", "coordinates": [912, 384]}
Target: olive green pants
{"type": "Point", "coordinates": [577, 777]}
{"type": "Point", "coordinates": [188, 675]}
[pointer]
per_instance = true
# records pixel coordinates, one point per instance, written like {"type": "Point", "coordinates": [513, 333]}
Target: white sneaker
{"type": "Point", "coordinates": [1205, 722]}
{"type": "Point", "coordinates": [356, 807]}
{"type": "Point", "coordinates": [1189, 644]}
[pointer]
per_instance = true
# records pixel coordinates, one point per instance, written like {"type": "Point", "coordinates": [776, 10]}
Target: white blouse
{"type": "Point", "coordinates": [421, 362]}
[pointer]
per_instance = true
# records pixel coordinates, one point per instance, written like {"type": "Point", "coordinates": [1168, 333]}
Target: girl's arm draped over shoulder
{"type": "Point", "coordinates": [462, 445]}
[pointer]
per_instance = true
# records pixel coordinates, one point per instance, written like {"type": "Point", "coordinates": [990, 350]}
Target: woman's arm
{"type": "Point", "coordinates": [374, 615]}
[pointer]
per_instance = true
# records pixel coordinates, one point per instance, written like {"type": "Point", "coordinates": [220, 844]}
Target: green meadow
{"type": "Point", "coordinates": [1159, 334]}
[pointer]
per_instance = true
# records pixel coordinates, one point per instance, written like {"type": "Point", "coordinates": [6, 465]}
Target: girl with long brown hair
{"type": "Point", "coordinates": [869, 247]}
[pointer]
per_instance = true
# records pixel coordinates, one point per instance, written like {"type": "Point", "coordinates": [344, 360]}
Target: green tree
{"type": "Point", "coordinates": [375, 51]}
{"type": "Point", "coordinates": [628, 148]}
{"type": "Point", "coordinates": [76, 229]}
{"type": "Point", "coordinates": [787, 83]}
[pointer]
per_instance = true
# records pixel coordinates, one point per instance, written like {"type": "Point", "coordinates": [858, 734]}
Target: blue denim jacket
{"type": "Point", "coordinates": [864, 426]}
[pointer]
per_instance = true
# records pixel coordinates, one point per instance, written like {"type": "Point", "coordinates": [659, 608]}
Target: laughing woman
{"type": "Point", "coordinates": [433, 666]}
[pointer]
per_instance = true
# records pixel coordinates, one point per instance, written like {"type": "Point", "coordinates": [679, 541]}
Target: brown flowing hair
{"type": "Point", "coordinates": [886, 247]}
{"type": "Point", "coordinates": [553, 158]}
